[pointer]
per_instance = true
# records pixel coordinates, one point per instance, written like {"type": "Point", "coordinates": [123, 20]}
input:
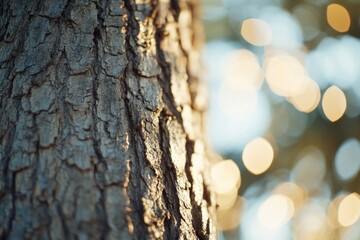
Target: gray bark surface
{"type": "Point", "coordinates": [101, 125]}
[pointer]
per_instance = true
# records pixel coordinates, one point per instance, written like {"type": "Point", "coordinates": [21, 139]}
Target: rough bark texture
{"type": "Point", "coordinates": [101, 121]}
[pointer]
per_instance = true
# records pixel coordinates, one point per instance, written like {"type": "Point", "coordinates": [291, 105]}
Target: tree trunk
{"type": "Point", "coordinates": [101, 124]}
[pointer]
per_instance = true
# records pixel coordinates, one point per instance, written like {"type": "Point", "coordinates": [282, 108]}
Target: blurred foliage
{"type": "Point", "coordinates": [301, 29]}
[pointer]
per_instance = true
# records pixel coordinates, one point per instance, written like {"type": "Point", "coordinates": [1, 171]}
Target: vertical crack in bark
{"type": "Point", "coordinates": [101, 210]}
{"type": "Point", "coordinates": [13, 201]}
{"type": "Point", "coordinates": [132, 29]}
{"type": "Point", "coordinates": [7, 153]}
{"type": "Point", "coordinates": [171, 197]}
{"type": "Point", "coordinates": [58, 205]}
{"type": "Point", "coordinates": [196, 210]}
{"type": "Point", "coordinates": [6, 13]}
{"type": "Point", "coordinates": [175, 7]}
{"type": "Point", "coordinates": [170, 194]}
{"type": "Point", "coordinates": [62, 91]}
{"type": "Point", "coordinates": [168, 98]}
{"type": "Point", "coordinates": [135, 194]}
{"type": "Point", "coordinates": [65, 228]}
{"type": "Point", "coordinates": [165, 77]}
{"type": "Point", "coordinates": [96, 69]}
{"type": "Point", "coordinates": [9, 176]}
{"type": "Point", "coordinates": [20, 43]}
{"type": "Point", "coordinates": [135, 175]}
{"type": "Point", "coordinates": [67, 8]}
{"type": "Point", "coordinates": [207, 193]}
{"type": "Point", "coordinates": [5, 17]}
{"type": "Point", "coordinates": [10, 83]}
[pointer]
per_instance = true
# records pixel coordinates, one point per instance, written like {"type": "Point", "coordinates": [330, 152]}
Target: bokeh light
{"type": "Point", "coordinates": [225, 176]}
{"type": "Point", "coordinates": [334, 62]}
{"type": "Point", "coordinates": [349, 210]}
{"type": "Point", "coordinates": [333, 209]}
{"type": "Point", "coordinates": [226, 200]}
{"type": "Point", "coordinates": [275, 211]}
{"type": "Point", "coordinates": [243, 113]}
{"type": "Point", "coordinates": [311, 223]}
{"type": "Point", "coordinates": [310, 169]}
{"type": "Point", "coordinates": [258, 155]}
{"type": "Point", "coordinates": [286, 30]}
{"type": "Point", "coordinates": [347, 159]}
{"type": "Point", "coordinates": [230, 218]}
{"type": "Point", "coordinates": [293, 191]}
{"type": "Point", "coordinates": [338, 17]}
{"type": "Point", "coordinates": [307, 100]}
{"type": "Point", "coordinates": [285, 75]}
{"type": "Point", "coordinates": [334, 103]}
{"type": "Point", "coordinates": [256, 32]}
{"type": "Point", "coordinates": [243, 71]}
{"type": "Point", "coordinates": [309, 20]}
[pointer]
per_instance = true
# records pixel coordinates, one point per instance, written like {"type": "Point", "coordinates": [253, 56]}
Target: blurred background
{"type": "Point", "coordinates": [284, 80]}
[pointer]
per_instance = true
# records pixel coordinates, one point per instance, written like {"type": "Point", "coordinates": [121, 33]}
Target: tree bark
{"type": "Point", "coordinates": [101, 125]}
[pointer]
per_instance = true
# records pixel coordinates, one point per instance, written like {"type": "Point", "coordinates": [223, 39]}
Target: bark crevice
{"type": "Point", "coordinates": [165, 78]}
{"type": "Point", "coordinates": [170, 193]}
{"type": "Point", "coordinates": [135, 189]}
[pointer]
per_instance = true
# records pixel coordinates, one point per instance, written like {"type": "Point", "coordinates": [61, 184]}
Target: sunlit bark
{"type": "Point", "coordinates": [101, 132]}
